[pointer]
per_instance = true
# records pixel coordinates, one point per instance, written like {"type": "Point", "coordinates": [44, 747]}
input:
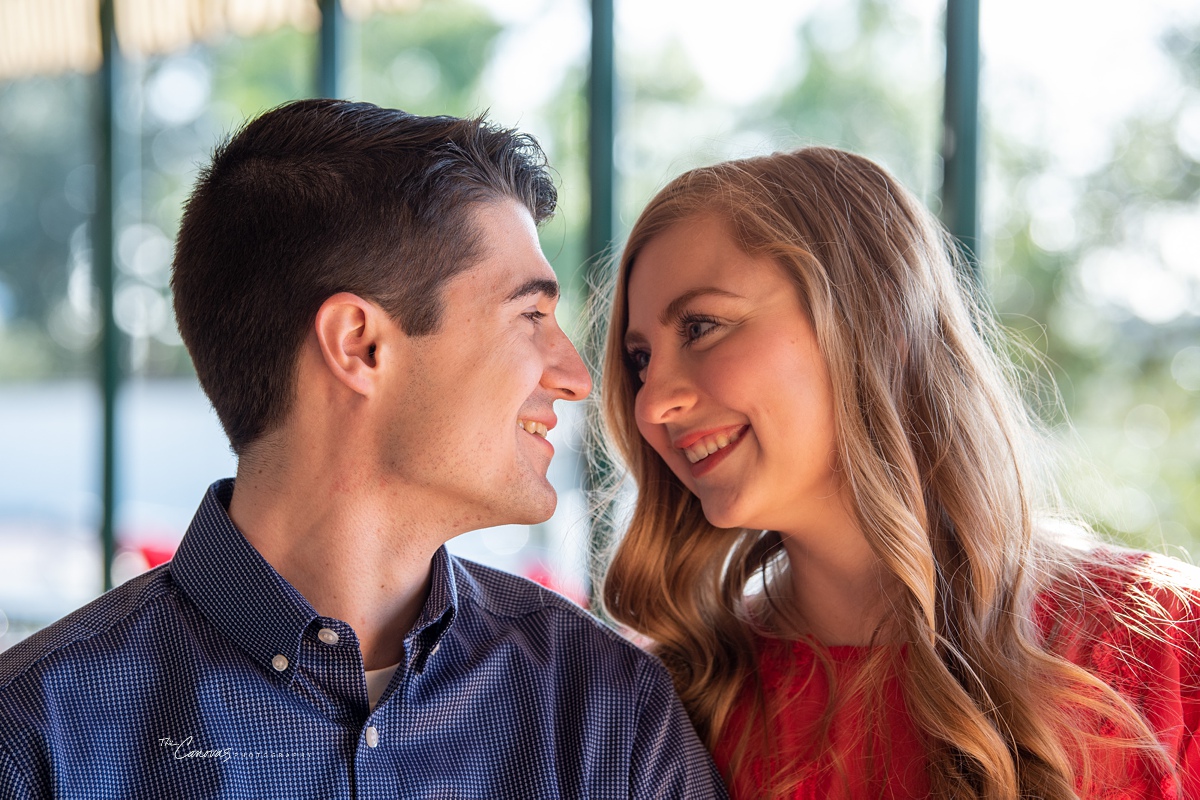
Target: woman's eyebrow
{"type": "Point", "coordinates": [632, 339]}
{"type": "Point", "coordinates": [543, 286]}
{"type": "Point", "coordinates": [675, 308]}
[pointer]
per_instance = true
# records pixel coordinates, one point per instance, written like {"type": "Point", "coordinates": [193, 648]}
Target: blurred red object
{"type": "Point", "coordinates": [538, 573]}
{"type": "Point", "coordinates": [155, 554]}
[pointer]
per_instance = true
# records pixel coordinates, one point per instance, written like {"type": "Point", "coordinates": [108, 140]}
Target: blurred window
{"type": "Point", "coordinates": [1091, 226]}
{"type": "Point", "coordinates": [1092, 230]}
{"type": "Point", "coordinates": [700, 83]}
{"type": "Point", "coordinates": [49, 406]}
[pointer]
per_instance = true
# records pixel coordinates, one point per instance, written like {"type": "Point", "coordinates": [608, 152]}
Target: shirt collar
{"type": "Point", "coordinates": [237, 590]}
{"type": "Point", "coordinates": [442, 603]}
{"type": "Point", "coordinates": [440, 609]}
{"type": "Point", "coordinates": [255, 607]}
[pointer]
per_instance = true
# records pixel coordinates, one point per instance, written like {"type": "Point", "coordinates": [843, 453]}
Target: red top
{"type": "Point", "coordinates": [1152, 658]}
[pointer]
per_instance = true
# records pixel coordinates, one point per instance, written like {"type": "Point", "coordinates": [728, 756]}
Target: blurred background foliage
{"type": "Point", "coordinates": [1093, 261]}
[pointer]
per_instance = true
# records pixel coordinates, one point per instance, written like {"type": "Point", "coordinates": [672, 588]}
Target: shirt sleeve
{"type": "Point", "coordinates": [668, 759]}
{"type": "Point", "coordinates": [13, 784]}
{"type": "Point", "coordinates": [1149, 652]}
{"type": "Point", "coordinates": [1186, 641]}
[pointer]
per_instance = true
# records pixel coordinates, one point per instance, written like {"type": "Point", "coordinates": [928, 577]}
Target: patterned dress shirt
{"type": "Point", "coordinates": [212, 677]}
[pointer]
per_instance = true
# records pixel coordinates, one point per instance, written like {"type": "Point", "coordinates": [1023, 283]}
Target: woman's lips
{"type": "Point", "coordinates": [713, 460]}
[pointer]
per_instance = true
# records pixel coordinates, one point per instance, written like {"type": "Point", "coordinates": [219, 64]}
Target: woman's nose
{"type": "Point", "coordinates": [666, 393]}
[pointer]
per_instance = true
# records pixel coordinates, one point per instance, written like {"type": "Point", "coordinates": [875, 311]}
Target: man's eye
{"type": "Point", "coordinates": [534, 316]}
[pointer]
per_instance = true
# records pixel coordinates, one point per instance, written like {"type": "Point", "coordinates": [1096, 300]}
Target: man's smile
{"type": "Point", "coordinates": [534, 427]}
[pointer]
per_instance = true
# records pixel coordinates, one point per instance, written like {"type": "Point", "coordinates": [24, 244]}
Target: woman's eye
{"type": "Point", "coordinates": [697, 328]}
{"type": "Point", "coordinates": [638, 360]}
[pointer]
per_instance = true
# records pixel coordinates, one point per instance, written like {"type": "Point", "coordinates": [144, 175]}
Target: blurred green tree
{"type": "Point", "coordinates": [1070, 258]}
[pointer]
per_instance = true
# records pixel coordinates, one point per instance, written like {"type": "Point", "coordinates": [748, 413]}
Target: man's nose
{"type": "Point", "coordinates": [565, 375]}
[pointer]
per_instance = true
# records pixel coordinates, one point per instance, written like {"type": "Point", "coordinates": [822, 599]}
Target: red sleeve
{"type": "Point", "coordinates": [1177, 714]}
{"type": "Point", "coordinates": [1142, 622]}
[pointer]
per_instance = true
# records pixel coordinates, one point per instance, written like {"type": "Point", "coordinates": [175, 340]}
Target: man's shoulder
{"type": "Point", "coordinates": [513, 601]}
{"type": "Point", "coordinates": [88, 632]}
{"type": "Point", "coordinates": [591, 677]}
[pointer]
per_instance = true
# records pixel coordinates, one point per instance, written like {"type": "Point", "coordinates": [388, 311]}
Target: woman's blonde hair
{"type": "Point", "coordinates": [934, 442]}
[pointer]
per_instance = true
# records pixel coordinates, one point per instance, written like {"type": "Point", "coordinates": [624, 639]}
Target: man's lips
{"type": "Point", "coordinates": [537, 425]}
{"type": "Point", "coordinates": [537, 428]}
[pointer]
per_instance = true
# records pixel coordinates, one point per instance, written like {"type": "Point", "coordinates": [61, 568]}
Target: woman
{"type": "Point", "coordinates": [842, 547]}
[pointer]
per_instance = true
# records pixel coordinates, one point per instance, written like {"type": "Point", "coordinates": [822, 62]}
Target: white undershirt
{"type": "Point", "coordinates": [377, 681]}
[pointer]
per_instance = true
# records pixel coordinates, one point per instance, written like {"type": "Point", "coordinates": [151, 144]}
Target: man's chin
{"type": "Point", "coordinates": [538, 509]}
{"type": "Point", "coordinates": [527, 503]}
{"type": "Point", "coordinates": [539, 512]}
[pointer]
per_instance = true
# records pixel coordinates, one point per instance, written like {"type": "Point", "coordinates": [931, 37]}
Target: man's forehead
{"type": "Point", "coordinates": [495, 282]}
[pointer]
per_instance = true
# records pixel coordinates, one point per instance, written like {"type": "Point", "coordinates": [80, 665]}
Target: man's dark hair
{"type": "Point", "coordinates": [318, 197]}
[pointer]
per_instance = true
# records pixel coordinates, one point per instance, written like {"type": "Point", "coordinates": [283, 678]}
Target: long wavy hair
{"type": "Point", "coordinates": [937, 447]}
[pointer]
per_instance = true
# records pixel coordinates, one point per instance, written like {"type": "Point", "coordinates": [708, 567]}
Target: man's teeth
{"type": "Point", "coordinates": [536, 428]}
{"type": "Point", "coordinates": [705, 447]}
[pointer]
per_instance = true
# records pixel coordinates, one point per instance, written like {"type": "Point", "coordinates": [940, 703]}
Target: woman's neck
{"type": "Point", "coordinates": [839, 589]}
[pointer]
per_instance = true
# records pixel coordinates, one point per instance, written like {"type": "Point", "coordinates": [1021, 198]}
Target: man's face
{"type": "Point", "coordinates": [478, 398]}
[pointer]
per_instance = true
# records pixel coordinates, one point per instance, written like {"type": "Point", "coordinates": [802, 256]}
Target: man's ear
{"type": "Point", "coordinates": [350, 331]}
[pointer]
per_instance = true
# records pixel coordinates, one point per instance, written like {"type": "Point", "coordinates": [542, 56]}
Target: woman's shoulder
{"type": "Point", "coordinates": [1124, 586]}
{"type": "Point", "coordinates": [1132, 618]}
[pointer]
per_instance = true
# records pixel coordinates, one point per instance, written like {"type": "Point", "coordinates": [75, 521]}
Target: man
{"type": "Point", "coordinates": [365, 301]}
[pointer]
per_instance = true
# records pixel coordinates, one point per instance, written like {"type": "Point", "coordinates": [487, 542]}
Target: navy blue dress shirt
{"type": "Point", "coordinates": [212, 677]}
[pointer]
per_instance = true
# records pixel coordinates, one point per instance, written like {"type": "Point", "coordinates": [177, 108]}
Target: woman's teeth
{"type": "Point", "coordinates": [705, 447]}
{"type": "Point", "coordinates": [536, 428]}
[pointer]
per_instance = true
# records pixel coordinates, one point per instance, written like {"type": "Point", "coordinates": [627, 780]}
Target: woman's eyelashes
{"type": "Point", "coordinates": [691, 328]}
{"type": "Point", "coordinates": [637, 359]}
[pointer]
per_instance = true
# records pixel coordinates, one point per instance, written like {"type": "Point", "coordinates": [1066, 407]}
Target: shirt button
{"type": "Point", "coordinates": [280, 663]}
{"type": "Point", "coordinates": [433, 652]}
{"type": "Point", "coordinates": [328, 636]}
{"type": "Point", "coordinates": [372, 736]}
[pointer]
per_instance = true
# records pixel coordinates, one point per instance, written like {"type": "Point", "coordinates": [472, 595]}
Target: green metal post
{"type": "Point", "coordinates": [602, 101]}
{"type": "Point", "coordinates": [332, 49]}
{"type": "Point", "coordinates": [103, 226]}
{"type": "Point", "coordinates": [960, 139]}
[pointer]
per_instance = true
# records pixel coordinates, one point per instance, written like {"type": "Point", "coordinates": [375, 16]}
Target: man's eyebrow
{"type": "Point", "coordinates": [674, 309]}
{"type": "Point", "coordinates": [544, 286]}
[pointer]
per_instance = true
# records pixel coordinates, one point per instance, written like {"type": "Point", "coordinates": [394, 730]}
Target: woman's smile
{"type": "Point", "coordinates": [711, 451]}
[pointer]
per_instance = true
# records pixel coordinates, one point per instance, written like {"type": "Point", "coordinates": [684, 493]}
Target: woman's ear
{"type": "Point", "coordinates": [348, 330]}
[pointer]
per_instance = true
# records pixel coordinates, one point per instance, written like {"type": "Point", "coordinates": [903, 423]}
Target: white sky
{"type": "Point", "coordinates": [1091, 60]}
{"type": "Point", "coordinates": [1058, 74]}
{"type": "Point", "coordinates": [1066, 71]}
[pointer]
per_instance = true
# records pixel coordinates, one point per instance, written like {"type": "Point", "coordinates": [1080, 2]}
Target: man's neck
{"type": "Point", "coordinates": [354, 555]}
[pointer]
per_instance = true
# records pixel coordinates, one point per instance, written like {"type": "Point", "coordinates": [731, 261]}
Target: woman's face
{"type": "Point", "coordinates": [735, 395]}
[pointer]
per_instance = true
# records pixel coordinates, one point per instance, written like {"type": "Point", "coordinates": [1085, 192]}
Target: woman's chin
{"type": "Point", "coordinates": [722, 515]}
